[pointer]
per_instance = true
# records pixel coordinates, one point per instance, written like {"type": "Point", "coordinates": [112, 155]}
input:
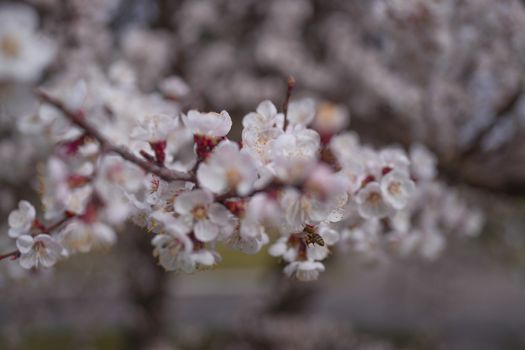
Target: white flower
{"type": "Point", "coordinates": [161, 194]}
{"type": "Point", "coordinates": [266, 211]}
{"type": "Point", "coordinates": [23, 53]}
{"type": "Point", "coordinates": [21, 220]}
{"type": "Point", "coordinates": [250, 237]}
{"type": "Point", "coordinates": [300, 209]}
{"type": "Point", "coordinates": [209, 124]}
{"type": "Point", "coordinates": [394, 158]}
{"type": "Point", "coordinates": [155, 128]}
{"type": "Point", "coordinates": [325, 184]}
{"type": "Point", "coordinates": [294, 153]}
{"type": "Point", "coordinates": [167, 222]}
{"type": "Point", "coordinates": [301, 112]}
{"type": "Point", "coordinates": [265, 117]}
{"type": "Point", "coordinates": [260, 130]}
{"type": "Point", "coordinates": [77, 199]}
{"type": "Point", "coordinates": [49, 121]}
{"type": "Point", "coordinates": [397, 188]}
{"type": "Point", "coordinates": [41, 250]}
{"type": "Point", "coordinates": [330, 119]}
{"type": "Point", "coordinates": [210, 220]}
{"type": "Point", "coordinates": [347, 151]}
{"type": "Point", "coordinates": [175, 253]}
{"type": "Point", "coordinates": [174, 87]}
{"type": "Point", "coordinates": [258, 143]}
{"type": "Point", "coordinates": [58, 196]}
{"type": "Point", "coordinates": [227, 169]}
{"type": "Point", "coordinates": [281, 248]}
{"type": "Point", "coordinates": [113, 170]}
{"type": "Point", "coordinates": [304, 270]}
{"type": "Point", "coordinates": [80, 236]}
{"type": "Point", "coordinates": [423, 162]}
{"type": "Point", "coordinates": [371, 202]}
{"type": "Point", "coordinates": [180, 153]}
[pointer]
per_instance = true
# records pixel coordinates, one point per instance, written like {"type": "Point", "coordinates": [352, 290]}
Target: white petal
{"type": "Point", "coordinates": [48, 260]}
{"type": "Point", "coordinates": [28, 260]}
{"type": "Point", "coordinates": [24, 243]}
{"type": "Point", "coordinates": [267, 109]}
{"type": "Point", "coordinates": [104, 234]}
{"type": "Point", "coordinates": [205, 231]}
{"type": "Point", "coordinates": [14, 233]}
{"type": "Point", "coordinates": [204, 257]}
{"type": "Point", "coordinates": [185, 202]}
{"type": "Point", "coordinates": [50, 243]}
{"type": "Point", "coordinates": [290, 269]}
{"type": "Point", "coordinates": [218, 214]}
{"type": "Point", "coordinates": [277, 249]}
{"type": "Point", "coordinates": [186, 263]}
{"type": "Point", "coordinates": [212, 178]}
{"type": "Point", "coordinates": [168, 260]}
{"type": "Point", "coordinates": [28, 209]}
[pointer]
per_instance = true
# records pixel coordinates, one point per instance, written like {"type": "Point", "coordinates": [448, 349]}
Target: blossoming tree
{"type": "Point", "coordinates": [298, 184]}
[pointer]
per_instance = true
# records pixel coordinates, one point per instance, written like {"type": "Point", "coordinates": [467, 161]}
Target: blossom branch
{"type": "Point", "coordinates": [13, 255]}
{"type": "Point", "coordinates": [77, 118]}
{"type": "Point", "coordinates": [289, 90]}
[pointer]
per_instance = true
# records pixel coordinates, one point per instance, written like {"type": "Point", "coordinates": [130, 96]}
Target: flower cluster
{"type": "Point", "coordinates": [295, 182]}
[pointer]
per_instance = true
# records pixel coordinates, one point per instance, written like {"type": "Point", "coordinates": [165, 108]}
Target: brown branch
{"type": "Point", "coordinates": [77, 118]}
{"type": "Point", "coordinates": [289, 90]}
{"type": "Point", "coordinates": [13, 255]}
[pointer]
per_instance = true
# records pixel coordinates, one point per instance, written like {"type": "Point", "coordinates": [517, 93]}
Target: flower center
{"type": "Point", "coordinates": [199, 212]}
{"type": "Point", "coordinates": [39, 248]}
{"type": "Point", "coordinates": [233, 177]}
{"type": "Point", "coordinates": [9, 46]}
{"type": "Point", "coordinates": [174, 247]}
{"type": "Point", "coordinates": [394, 188]}
{"type": "Point", "coordinates": [374, 198]}
{"type": "Point", "coordinates": [326, 112]}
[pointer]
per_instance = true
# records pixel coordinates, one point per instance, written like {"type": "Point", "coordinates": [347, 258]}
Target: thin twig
{"type": "Point", "coordinates": [14, 255]}
{"type": "Point", "coordinates": [289, 90]}
{"type": "Point", "coordinates": [77, 118]}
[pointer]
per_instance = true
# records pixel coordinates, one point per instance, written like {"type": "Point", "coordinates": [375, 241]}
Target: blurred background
{"type": "Point", "coordinates": [445, 73]}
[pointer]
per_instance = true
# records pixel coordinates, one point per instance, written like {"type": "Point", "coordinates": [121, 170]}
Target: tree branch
{"type": "Point", "coordinates": [77, 118]}
{"type": "Point", "coordinates": [13, 255]}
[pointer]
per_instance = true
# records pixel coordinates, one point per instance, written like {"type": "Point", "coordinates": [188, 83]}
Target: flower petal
{"type": "Point", "coordinates": [24, 243]}
{"type": "Point", "coordinates": [205, 231]}
{"type": "Point", "coordinates": [28, 260]}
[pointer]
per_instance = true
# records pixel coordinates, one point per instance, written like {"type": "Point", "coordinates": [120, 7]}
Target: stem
{"type": "Point", "coordinates": [59, 223]}
{"type": "Point", "coordinates": [77, 118]}
{"type": "Point", "coordinates": [290, 87]}
{"type": "Point", "coordinates": [14, 255]}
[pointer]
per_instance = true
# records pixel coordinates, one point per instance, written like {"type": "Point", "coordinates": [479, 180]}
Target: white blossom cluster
{"type": "Point", "coordinates": [296, 185]}
{"type": "Point", "coordinates": [284, 183]}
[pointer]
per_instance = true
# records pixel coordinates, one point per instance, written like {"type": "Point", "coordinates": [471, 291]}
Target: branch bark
{"type": "Point", "coordinates": [77, 118]}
